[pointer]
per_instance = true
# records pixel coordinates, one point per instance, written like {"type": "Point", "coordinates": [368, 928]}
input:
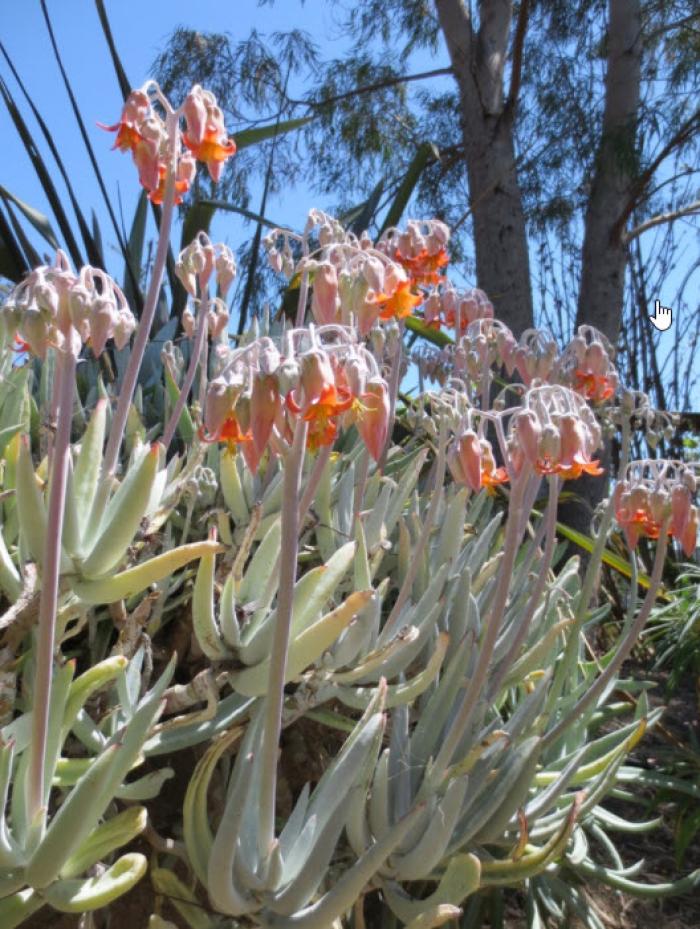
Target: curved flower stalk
{"type": "Point", "coordinates": [164, 154]}
{"type": "Point", "coordinates": [56, 306]}
{"type": "Point", "coordinates": [197, 265]}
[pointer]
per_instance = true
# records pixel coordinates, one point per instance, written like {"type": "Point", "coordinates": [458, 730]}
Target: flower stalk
{"type": "Point", "coordinates": [46, 636]}
{"type": "Point", "coordinates": [274, 701]}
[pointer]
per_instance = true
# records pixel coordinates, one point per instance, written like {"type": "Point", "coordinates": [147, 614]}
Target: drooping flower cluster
{"type": "Point", "coordinates": [351, 279]}
{"type": "Point", "coordinates": [657, 493]}
{"type": "Point", "coordinates": [321, 376]}
{"type": "Point", "coordinates": [587, 365]}
{"type": "Point", "coordinates": [420, 249]}
{"type": "Point", "coordinates": [199, 263]}
{"type": "Point", "coordinates": [54, 306]}
{"type": "Point", "coordinates": [486, 344]}
{"type": "Point", "coordinates": [158, 145]}
{"type": "Point", "coordinates": [555, 433]}
{"type": "Point", "coordinates": [456, 309]}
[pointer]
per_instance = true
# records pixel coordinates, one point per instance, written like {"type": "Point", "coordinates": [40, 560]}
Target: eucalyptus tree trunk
{"type": "Point", "coordinates": [604, 250]}
{"type": "Point", "coordinates": [601, 293]}
{"type": "Point", "coordinates": [478, 59]}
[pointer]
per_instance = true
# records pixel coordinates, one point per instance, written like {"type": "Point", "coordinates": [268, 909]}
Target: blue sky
{"type": "Point", "coordinates": [140, 30]}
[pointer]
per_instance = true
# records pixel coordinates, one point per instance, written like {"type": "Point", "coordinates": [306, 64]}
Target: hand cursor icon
{"type": "Point", "coordinates": [662, 318]}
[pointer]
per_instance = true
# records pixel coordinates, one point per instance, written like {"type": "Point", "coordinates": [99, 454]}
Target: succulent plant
{"type": "Point", "coordinates": [405, 586]}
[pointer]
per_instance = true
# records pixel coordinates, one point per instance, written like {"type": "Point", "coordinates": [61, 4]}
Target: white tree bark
{"type": "Point", "coordinates": [500, 238]}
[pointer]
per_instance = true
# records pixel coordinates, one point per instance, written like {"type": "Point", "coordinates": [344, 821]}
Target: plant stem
{"type": "Point", "coordinates": [319, 466]}
{"type": "Point", "coordinates": [492, 624]}
{"type": "Point", "coordinates": [550, 521]}
{"type": "Point", "coordinates": [274, 700]}
{"type": "Point", "coordinates": [199, 340]}
{"type": "Point", "coordinates": [51, 566]}
{"type": "Point", "coordinates": [143, 332]}
{"type": "Point", "coordinates": [435, 500]}
{"type": "Point", "coordinates": [394, 383]}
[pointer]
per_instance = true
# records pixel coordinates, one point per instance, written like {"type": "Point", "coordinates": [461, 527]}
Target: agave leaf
{"type": "Point", "coordinates": [403, 491]}
{"type": "Point", "coordinates": [13, 264]}
{"type": "Point", "coordinates": [196, 830]}
{"type": "Point", "coordinates": [358, 218]}
{"type": "Point", "coordinates": [123, 515]}
{"type": "Point", "coordinates": [305, 649]}
{"type": "Point", "coordinates": [509, 871]}
{"type": "Point", "coordinates": [37, 219]}
{"type": "Point", "coordinates": [204, 621]}
{"type": "Point", "coordinates": [221, 854]}
{"type": "Point", "coordinates": [185, 425]}
{"type": "Point", "coordinates": [257, 574]}
{"type": "Point", "coordinates": [14, 910]}
{"type": "Point", "coordinates": [76, 896]}
{"type": "Point", "coordinates": [311, 854]}
{"type": "Point", "coordinates": [461, 879]}
{"type": "Point", "coordinates": [105, 839]}
{"type": "Point", "coordinates": [435, 916]}
{"type": "Point", "coordinates": [9, 576]}
{"type": "Point", "coordinates": [320, 915]}
{"type": "Point", "coordinates": [316, 587]}
{"type": "Point", "coordinates": [651, 891]}
{"type": "Point", "coordinates": [429, 849]}
{"type": "Point", "coordinates": [404, 693]}
{"type": "Point", "coordinates": [234, 498]}
{"type": "Point", "coordinates": [506, 789]}
{"type": "Point", "coordinates": [88, 800]}
{"type": "Point", "coordinates": [136, 579]}
{"type": "Point", "coordinates": [249, 137]}
{"type": "Point", "coordinates": [144, 788]}
{"type": "Point", "coordinates": [42, 173]}
{"type": "Point", "coordinates": [180, 895]}
{"type": "Point", "coordinates": [87, 466]}
{"type": "Point", "coordinates": [134, 254]}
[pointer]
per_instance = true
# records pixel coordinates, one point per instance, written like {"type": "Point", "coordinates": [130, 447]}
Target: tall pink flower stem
{"type": "Point", "coordinates": [394, 383]}
{"type": "Point", "coordinates": [274, 700]}
{"type": "Point", "coordinates": [492, 625]}
{"type": "Point", "coordinates": [143, 332]}
{"type": "Point", "coordinates": [50, 571]}
{"type": "Point", "coordinates": [196, 358]}
{"type": "Point", "coordinates": [543, 565]}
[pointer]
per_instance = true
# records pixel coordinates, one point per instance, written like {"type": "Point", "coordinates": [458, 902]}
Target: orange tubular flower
{"type": "Point", "coordinates": [424, 268]}
{"type": "Point", "coordinates": [214, 149]}
{"type": "Point", "coordinates": [321, 414]}
{"type": "Point", "coordinates": [181, 187]}
{"type": "Point", "coordinates": [230, 433]}
{"type": "Point", "coordinates": [594, 387]}
{"type": "Point", "coordinates": [400, 304]}
{"type": "Point", "coordinates": [373, 417]}
{"type": "Point", "coordinates": [491, 479]}
{"type": "Point", "coordinates": [657, 492]}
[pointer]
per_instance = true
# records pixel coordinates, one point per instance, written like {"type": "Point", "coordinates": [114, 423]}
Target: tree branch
{"type": "Point", "coordinates": [686, 130]}
{"type": "Point", "coordinates": [370, 88]}
{"type": "Point", "coordinates": [690, 209]}
{"type": "Point", "coordinates": [517, 66]}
